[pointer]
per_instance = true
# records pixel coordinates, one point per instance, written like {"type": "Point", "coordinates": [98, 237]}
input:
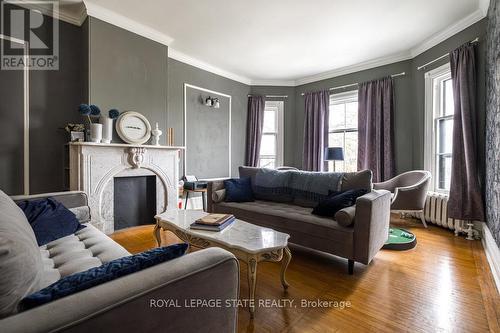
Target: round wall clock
{"type": "Point", "coordinates": [132, 127]}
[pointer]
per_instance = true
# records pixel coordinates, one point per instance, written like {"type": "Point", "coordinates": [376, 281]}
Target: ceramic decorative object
{"type": "Point", "coordinates": [156, 133]}
{"type": "Point", "coordinates": [95, 132]}
{"type": "Point", "coordinates": [133, 127]}
{"type": "Point", "coordinates": [107, 129]}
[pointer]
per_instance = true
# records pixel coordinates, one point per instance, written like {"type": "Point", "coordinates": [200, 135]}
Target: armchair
{"type": "Point", "coordinates": [409, 191]}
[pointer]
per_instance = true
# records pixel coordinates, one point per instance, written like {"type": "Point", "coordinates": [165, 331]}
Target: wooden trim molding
{"type": "Point", "coordinates": [492, 253]}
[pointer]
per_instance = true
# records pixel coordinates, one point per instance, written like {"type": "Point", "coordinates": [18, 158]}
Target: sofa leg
{"type": "Point", "coordinates": [350, 266]}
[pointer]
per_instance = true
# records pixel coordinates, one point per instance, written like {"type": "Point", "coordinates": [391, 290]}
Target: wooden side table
{"type": "Point", "coordinates": [203, 192]}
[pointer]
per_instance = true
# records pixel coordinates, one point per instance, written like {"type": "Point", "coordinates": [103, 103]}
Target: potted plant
{"type": "Point", "coordinates": [76, 132]}
{"type": "Point", "coordinates": [91, 111]}
{"type": "Point", "coordinates": [107, 125]}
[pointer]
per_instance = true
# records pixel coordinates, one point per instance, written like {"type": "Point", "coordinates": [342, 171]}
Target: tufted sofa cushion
{"type": "Point", "coordinates": [85, 249]}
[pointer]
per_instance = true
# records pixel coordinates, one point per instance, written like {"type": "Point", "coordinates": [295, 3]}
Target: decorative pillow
{"type": "Point", "coordinates": [49, 219]}
{"type": "Point", "coordinates": [272, 185]}
{"type": "Point", "coordinates": [21, 266]}
{"type": "Point", "coordinates": [219, 195]}
{"type": "Point", "coordinates": [114, 269]}
{"type": "Point", "coordinates": [335, 202]}
{"type": "Point", "coordinates": [238, 190]}
{"type": "Point", "coordinates": [345, 216]}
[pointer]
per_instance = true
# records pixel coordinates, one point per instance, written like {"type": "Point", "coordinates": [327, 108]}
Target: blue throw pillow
{"type": "Point", "coordinates": [49, 219]}
{"type": "Point", "coordinates": [114, 269]}
{"type": "Point", "coordinates": [238, 190]}
{"type": "Point", "coordinates": [336, 201]}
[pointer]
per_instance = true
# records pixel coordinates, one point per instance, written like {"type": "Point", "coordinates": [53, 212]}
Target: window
{"type": "Point", "coordinates": [439, 126]}
{"type": "Point", "coordinates": [271, 146]}
{"type": "Point", "coordinates": [343, 130]}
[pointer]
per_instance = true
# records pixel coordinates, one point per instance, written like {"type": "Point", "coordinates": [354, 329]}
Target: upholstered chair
{"type": "Point", "coordinates": [409, 191]}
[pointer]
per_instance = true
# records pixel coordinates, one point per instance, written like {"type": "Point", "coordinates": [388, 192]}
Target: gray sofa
{"type": "Point", "coordinates": [132, 303]}
{"type": "Point", "coordinates": [358, 242]}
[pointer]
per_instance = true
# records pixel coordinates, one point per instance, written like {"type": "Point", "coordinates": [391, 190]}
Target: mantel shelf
{"type": "Point", "coordinates": [125, 145]}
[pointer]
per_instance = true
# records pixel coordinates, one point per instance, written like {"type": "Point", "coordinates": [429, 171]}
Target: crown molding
{"type": "Point", "coordinates": [123, 22]}
{"type": "Point", "coordinates": [182, 57]}
{"type": "Point", "coordinates": [405, 55]}
{"type": "Point", "coordinates": [63, 14]}
{"type": "Point", "coordinates": [278, 83]}
{"type": "Point", "coordinates": [484, 5]}
{"type": "Point", "coordinates": [448, 32]}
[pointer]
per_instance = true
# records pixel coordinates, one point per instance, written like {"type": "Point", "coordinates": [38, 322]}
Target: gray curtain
{"type": "Point", "coordinates": [376, 128]}
{"type": "Point", "coordinates": [465, 201]}
{"type": "Point", "coordinates": [315, 130]}
{"type": "Point", "coordinates": [255, 119]}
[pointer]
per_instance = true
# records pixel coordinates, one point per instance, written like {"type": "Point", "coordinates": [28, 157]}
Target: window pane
{"type": "Point", "coordinates": [269, 121]}
{"type": "Point", "coordinates": [445, 136]}
{"type": "Point", "coordinates": [444, 172]}
{"type": "Point", "coordinates": [337, 116]}
{"type": "Point", "coordinates": [267, 163]}
{"type": "Point", "coordinates": [351, 115]}
{"type": "Point", "coordinates": [351, 152]}
{"type": "Point", "coordinates": [268, 144]}
{"type": "Point", "coordinates": [336, 140]}
{"type": "Point", "coordinates": [448, 98]}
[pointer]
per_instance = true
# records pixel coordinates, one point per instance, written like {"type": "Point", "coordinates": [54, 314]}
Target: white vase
{"type": "Point", "coordinates": [95, 133]}
{"type": "Point", "coordinates": [107, 129]}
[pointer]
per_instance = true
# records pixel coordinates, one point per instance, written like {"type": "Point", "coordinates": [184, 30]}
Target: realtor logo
{"type": "Point", "coordinates": [28, 38]}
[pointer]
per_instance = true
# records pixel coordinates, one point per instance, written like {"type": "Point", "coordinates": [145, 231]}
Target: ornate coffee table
{"type": "Point", "coordinates": [248, 242]}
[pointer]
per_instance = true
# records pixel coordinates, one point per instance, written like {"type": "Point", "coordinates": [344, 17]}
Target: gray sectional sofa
{"type": "Point", "coordinates": [358, 242]}
{"type": "Point", "coordinates": [133, 303]}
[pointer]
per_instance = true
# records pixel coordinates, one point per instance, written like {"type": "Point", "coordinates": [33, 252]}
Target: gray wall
{"type": "Point", "coordinates": [290, 130]}
{"type": "Point", "coordinates": [128, 72]}
{"type": "Point", "coordinates": [402, 114]}
{"type": "Point", "coordinates": [180, 73]}
{"type": "Point", "coordinates": [493, 122]}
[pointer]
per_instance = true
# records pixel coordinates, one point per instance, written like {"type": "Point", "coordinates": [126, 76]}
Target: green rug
{"type": "Point", "coordinates": [400, 240]}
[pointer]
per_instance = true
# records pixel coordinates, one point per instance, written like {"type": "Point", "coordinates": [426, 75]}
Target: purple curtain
{"type": "Point", "coordinates": [315, 130]}
{"type": "Point", "coordinates": [255, 119]}
{"type": "Point", "coordinates": [465, 201]}
{"type": "Point", "coordinates": [376, 128]}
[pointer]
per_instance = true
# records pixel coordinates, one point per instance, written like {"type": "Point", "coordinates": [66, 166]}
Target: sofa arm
{"type": "Point", "coordinates": [156, 299]}
{"type": "Point", "coordinates": [211, 188]}
{"type": "Point", "coordinates": [371, 226]}
{"type": "Point", "coordinates": [70, 199]}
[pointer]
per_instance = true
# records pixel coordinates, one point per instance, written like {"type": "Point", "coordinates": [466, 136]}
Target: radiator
{"type": "Point", "coordinates": [436, 212]}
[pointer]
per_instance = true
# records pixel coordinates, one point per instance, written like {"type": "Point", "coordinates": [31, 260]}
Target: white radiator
{"type": "Point", "coordinates": [436, 212]}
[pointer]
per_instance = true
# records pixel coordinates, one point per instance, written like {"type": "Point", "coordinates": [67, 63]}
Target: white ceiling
{"type": "Point", "coordinates": [291, 41]}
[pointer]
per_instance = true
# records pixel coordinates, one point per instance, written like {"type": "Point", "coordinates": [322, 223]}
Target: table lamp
{"type": "Point", "coordinates": [334, 154]}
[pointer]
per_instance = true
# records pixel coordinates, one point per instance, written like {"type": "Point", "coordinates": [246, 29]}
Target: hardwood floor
{"type": "Point", "coordinates": [443, 285]}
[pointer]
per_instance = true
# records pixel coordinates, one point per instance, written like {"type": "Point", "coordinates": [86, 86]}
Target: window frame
{"type": "Point", "coordinates": [341, 98]}
{"type": "Point", "coordinates": [434, 102]}
{"type": "Point", "coordinates": [279, 133]}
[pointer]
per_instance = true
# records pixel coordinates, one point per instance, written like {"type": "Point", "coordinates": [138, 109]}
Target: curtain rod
{"type": "Point", "coordinates": [355, 84]}
{"type": "Point", "coordinates": [271, 96]}
{"type": "Point", "coordinates": [475, 40]}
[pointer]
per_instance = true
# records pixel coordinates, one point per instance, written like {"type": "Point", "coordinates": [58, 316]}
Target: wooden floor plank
{"type": "Point", "coordinates": [443, 285]}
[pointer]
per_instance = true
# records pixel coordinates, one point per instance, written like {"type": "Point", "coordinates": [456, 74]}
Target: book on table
{"type": "Point", "coordinates": [213, 222]}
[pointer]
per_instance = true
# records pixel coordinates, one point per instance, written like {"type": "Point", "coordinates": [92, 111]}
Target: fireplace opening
{"type": "Point", "coordinates": [134, 201]}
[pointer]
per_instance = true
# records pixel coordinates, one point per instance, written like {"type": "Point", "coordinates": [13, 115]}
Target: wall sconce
{"type": "Point", "coordinates": [212, 102]}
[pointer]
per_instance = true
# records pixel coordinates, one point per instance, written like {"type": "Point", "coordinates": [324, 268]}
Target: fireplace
{"type": "Point", "coordinates": [134, 201]}
{"type": "Point", "coordinates": [97, 169]}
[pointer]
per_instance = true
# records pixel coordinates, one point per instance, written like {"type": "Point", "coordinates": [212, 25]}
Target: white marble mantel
{"type": "Point", "coordinates": [93, 167]}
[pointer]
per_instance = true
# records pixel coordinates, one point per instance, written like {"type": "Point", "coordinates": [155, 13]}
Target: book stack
{"type": "Point", "coordinates": [213, 222]}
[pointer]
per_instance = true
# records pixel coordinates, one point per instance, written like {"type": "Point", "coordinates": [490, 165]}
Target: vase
{"type": "Point", "coordinates": [95, 133]}
{"type": "Point", "coordinates": [107, 129]}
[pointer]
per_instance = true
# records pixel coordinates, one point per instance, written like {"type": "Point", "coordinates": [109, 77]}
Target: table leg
{"type": "Point", "coordinates": [156, 233]}
{"type": "Point", "coordinates": [287, 256]}
{"type": "Point", "coordinates": [252, 279]}
{"type": "Point", "coordinates": [186, 200]}
{"type": "Point", "coordinates": [203, 198]}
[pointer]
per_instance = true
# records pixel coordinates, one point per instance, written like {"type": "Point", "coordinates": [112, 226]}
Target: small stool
{"type": "Point", "coordinates": [203, 192]}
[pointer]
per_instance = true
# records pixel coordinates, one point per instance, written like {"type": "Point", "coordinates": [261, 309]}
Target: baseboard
{"type": "Point", "coordinates": [492, 254]}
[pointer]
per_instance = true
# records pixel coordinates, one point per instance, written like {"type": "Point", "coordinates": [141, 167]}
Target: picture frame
{"type": "Point", "coordinates": [133, 127]}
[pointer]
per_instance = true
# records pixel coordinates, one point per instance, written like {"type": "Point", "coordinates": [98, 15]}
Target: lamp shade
{"type": "Point", "coordinates": [334, 154]}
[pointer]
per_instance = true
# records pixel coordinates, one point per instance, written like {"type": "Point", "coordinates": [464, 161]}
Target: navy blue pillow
{"type": "Point", "coordinates": [336, 201]}
{"type": "Point", "coordinates": [49, 219]}
{"type": "Point", "coordinates": [114, 269]}
{"type": "Point", "coordinates": [238, 190]}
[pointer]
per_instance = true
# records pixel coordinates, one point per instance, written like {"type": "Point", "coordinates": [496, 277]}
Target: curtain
{"type": "Point", "coordinates": [376, 128]}
{"type": "Point", "coordinates": [465, 200]}
{"type": "Point", "coordinates": [315, 130]}
{"type": "Point", "coordinates": [255, 119]}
